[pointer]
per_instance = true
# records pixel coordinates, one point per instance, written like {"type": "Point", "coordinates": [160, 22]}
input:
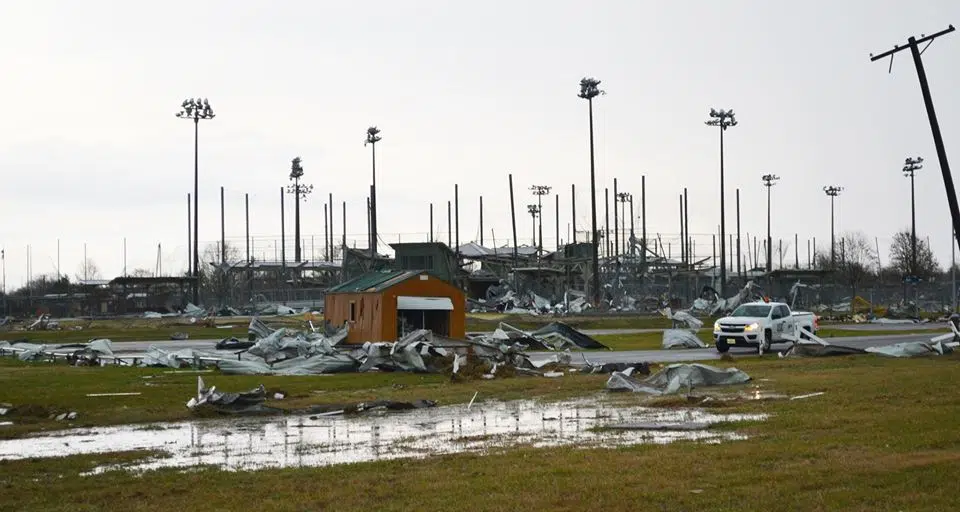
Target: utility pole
{"type": "Point", "coordinates": [539, 191]}
{"type": "Point", "coordinates": [344, 241]}
{"type": "Point", "coordinates": [910, 167]}
{"type": "Point", "coordinates": [682, 235]}
{"type": "Point", "coordinates": [533, 210]}
{"type": "Point", "coordinates": [431, 222]}
{"type": "Point", "coordinates": [449, 226]}
{"type": "Point", "coordinates": [330, 244]}
{"type": "Point", "coordinates": [931, 115]}
{"type": "Point", "coordinates": [589, 89]}
{"type": "Point", "coordinates": [723, 119]}
{"type": "Point", "coordinates": [769, 180]}
{"type": "Point", "coordinates": [832, 191]}
{"type": "Point", "coordinates": [623, 198]}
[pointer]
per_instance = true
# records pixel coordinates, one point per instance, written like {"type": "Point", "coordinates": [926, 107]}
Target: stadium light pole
{"type": "Point", "coordinates": [769, 180]}
{"type": "Point", "coordinates": [910, 167]}
{"type": "Point", "coordinates": [590, 89]}
{"type": "Point", "coordinates": [373, 137]}
{"type": "Point", "coordinates": [196, 110]}
{"type": "Point", "coordinates": [299, 192]}
{"type": "Point", "coordinates": [833, 191]}
{"type": "Point", "coordinates": [723, 119]}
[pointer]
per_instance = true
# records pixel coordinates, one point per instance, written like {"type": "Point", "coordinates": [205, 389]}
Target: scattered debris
{"type": "Point", "coordinates": [808, 395]}
{"type": "Point", "coordinates": [113, 394]}
{"type": "Point", "coordinates": [681, 338]}
{"type": "Point", "coordinates": [179, 336]}
{"type": "Point", "coordinates": [233, 344]}
{"type": "Point", "coordinates": [676, 377]}
{"type": "Point", "coordinates": [913, 349]}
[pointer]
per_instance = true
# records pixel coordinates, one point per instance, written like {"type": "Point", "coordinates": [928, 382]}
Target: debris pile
{"type": "Point", "coordinates": [675, 378]}
{"type": "Point", "coordinates": [79, 354]}
{"type": "Point", "coordinates": [253, 402]}
{"type": "Point", "coordinates": [684, 331]}
{"type": "Point", "coordinates": [554, 336]}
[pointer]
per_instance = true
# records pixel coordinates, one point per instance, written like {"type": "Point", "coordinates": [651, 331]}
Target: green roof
{"type": "Point", "coordinates": [374, 281]}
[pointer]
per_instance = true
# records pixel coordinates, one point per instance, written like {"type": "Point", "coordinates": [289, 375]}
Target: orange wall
{"type": "Point", "coordinates": [376, 313]}
{"type": "Point", "coordinates": [432, 287]}
{"type": "Point", "coordinates": [367, 326]}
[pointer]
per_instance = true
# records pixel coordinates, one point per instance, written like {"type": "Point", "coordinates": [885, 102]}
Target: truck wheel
{"type": "Point", "coordinates": [765, 342]}
{"type": "Point", "coordinates": [722, 346]}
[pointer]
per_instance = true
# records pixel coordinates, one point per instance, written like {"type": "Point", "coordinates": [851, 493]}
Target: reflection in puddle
{"type": "Point", "coordinates": [298, 441]}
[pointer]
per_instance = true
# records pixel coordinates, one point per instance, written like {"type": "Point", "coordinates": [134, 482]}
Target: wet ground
{"type": "Point", "coordinates": [255, 443]}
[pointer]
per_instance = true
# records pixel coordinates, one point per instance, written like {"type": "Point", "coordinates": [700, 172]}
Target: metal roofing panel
{"type": "Point", "coordinates": [374, 281]}
{"type": "Point", "coordinates": [425, 303]}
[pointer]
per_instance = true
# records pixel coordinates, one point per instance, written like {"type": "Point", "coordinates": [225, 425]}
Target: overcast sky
{"type": "Point", "coordinates": [91, 151]}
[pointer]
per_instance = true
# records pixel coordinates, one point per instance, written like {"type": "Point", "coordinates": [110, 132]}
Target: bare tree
{"type": "Point", "coordinates": [216, 281]}
{"type": "Point", "coordinates": [901, 256]}
{"type": "Point", "coordinates": [88, 269]}
{"type": "Point", "coordinates": [141, 272]}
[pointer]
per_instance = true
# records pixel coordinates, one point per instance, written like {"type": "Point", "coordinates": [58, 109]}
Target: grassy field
{"type": "Point", "coordinates": [54, 388]}
{"type": "Point", "coordinates": [883, 437]}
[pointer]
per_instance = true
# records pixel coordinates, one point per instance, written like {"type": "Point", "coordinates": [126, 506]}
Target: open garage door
{"type": "Point", "coordinates": [431, 313]}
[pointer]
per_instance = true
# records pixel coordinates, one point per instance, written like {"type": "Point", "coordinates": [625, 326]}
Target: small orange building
{"type": "Point", "coordinates": [383, 306]}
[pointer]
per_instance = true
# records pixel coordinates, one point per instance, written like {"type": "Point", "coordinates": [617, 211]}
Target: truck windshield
{"type": "Point", "coordinates": [752, 310]}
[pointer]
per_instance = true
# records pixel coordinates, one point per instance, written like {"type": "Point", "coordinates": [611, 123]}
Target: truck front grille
{"type": "Point", "coordinates": [731, 328]}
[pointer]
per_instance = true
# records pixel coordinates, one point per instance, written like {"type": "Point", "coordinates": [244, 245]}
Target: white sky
{"type": "Point", "coordinates": [91, 151]}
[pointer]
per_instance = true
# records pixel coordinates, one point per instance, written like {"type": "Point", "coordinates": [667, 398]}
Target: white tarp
{"type": "Point", "coordinates": [425, 303]}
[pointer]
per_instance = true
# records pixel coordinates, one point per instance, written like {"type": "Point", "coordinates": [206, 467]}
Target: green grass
{"type": "Point", "coordinates": [60, 388]}
{"type": "Point", "coordinates": [883, 437]}
{"type": "Point", "coordinates": [643, 341]}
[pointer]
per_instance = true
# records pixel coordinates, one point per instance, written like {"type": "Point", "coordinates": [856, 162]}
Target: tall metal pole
{"type": "Point", "coordinates": [189, 244]}
{"type": "Point", "coordinates": [343, 244]}
{"type": "Point", "coordinates": [481, 221]}
{"type": "Point", "coordinates": [246, 210]}
{"type": "Point", "coordinates": [722, 119]}
{"type": "Point", "coordinates": [449, 226]}
{"type": "Point", "coordinates": [223, 230]}
{"type": "Point", "coordinates": [796, 250]}
{"type": "Point", "coordinates": [431, 222]}
{"type": "Point", "coordinates": [739, 267]}
{"type": "Point", "coordinates": [556, 212]}
{"type": "Point", "coordinates": [632, 234]}
{"type": "Point", "coordinates": [283, 238]}
{"type": "Point", "coordinates": [616, 225]}
{"type": "Point", "coordinates": [513, 220]}
{"type": "Point", "coordinates": [573, 210]}
{"type": "Point", "coordinates": [373, 136]}
{"type": "Point", "coordinates": [953, 275]}
{"type": "Point", "coordinates": [195, 110]}
{"type": "Point", "coordinates": [456, 217]}
{"type": "Point", "coordinates": [832, 191]}
{"type": "Point", "coordinates": [606, 222]}
{"type": "Point", "coordinates": [589, 89]}
{"type": "Point", "coordinates": [682, 235]}
{"type": "Point", "coordinates": [934, 124]}
{"type": "Point", "coordinates": [326, 233]}
{"type": "Point", "coordinates": [686, 227]}
{"type": "Point", "coordinates": [643, 221]}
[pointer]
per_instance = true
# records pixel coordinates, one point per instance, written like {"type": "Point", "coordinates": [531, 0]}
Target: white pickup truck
{"type": "Point", "coordinates": [759, 324]}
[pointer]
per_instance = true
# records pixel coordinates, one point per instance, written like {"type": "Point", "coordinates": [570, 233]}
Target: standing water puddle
{"type": "Point", "coordinates": [299, 441]}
